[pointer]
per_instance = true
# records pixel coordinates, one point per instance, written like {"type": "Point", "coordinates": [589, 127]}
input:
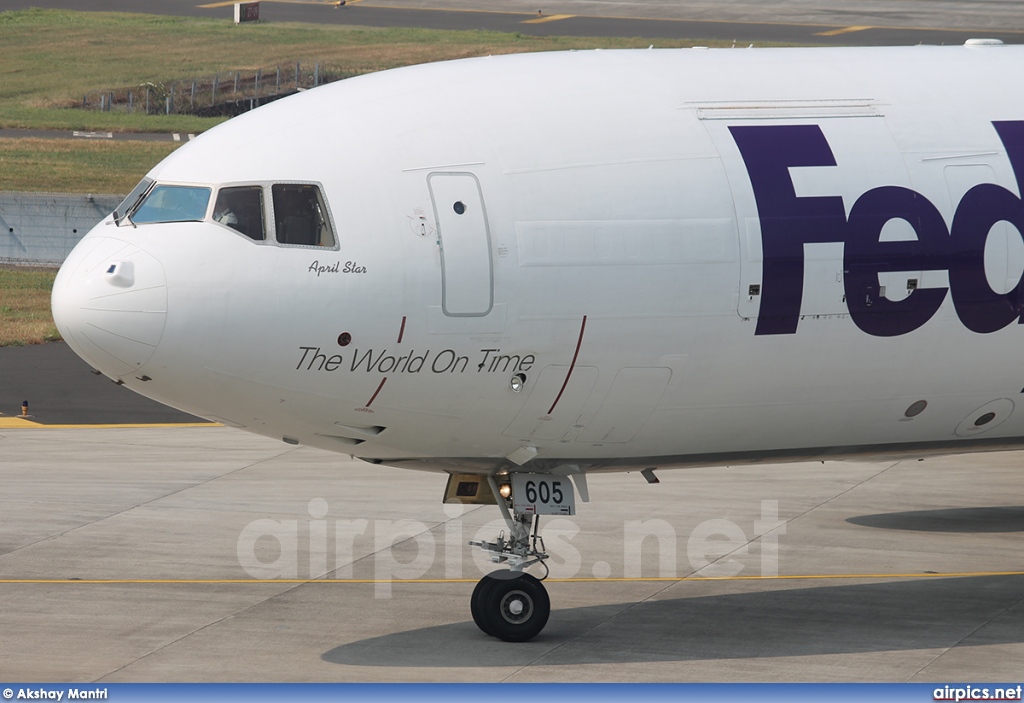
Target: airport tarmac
{"type": "Point", "coordinates": [203, 553]}
{"type": "Point", "coordinates": [802, 22]}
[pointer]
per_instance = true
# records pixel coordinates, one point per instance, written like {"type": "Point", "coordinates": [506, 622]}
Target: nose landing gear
{"type": "Point", "coordinates": [512, 605]}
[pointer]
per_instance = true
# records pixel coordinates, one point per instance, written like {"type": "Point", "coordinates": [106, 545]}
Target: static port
{"type": "Point", "coordinates": [985, 419]}
{"type": "Point", "coordinates": [916, 409]}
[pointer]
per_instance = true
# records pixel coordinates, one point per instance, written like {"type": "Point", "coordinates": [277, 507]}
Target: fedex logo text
{"type": "Point", "coordinates": [788, 222]}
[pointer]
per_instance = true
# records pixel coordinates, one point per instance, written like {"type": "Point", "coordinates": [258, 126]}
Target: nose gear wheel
{"type": "Point", "coordinates": [510, 606]}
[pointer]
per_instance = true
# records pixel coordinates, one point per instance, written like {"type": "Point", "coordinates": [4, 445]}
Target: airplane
{"type": "Point", "coordinates": [522, 270]}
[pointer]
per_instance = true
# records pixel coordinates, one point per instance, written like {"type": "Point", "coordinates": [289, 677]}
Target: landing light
{"type": "Point", "coordinates": [505, 489]}
{"type": "Point", "coordinates": [517, 382]}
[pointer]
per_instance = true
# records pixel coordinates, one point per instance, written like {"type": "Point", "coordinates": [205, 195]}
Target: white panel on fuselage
{"type": "Point", "coordinates": [634, 395]}
{"type": "Point", "coordinates": [552, 393]}
{"type": "Point", "coordinates": [626, 242]}
{"type": "Point", "coordinates": [466, 271]}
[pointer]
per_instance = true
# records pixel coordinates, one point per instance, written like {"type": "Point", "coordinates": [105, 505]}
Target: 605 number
{"type": "Point", "coordinates": [543, 491]}
{"type": "Point", "coordinates": [542, 495]}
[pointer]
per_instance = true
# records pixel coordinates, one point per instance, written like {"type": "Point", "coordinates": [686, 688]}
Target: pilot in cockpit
{"type": "Point", "coordinates": [241, 209]}
{"type": "Point", "coordinates": [224, 212]}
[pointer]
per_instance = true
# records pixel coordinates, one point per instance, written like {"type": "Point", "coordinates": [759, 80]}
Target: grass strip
{"type": "Point", "coordinates": [77, 166]}
{"type": "Point", "coordinates": [25, 306]}
{"type": "Point", "coordinates": [54, 57]}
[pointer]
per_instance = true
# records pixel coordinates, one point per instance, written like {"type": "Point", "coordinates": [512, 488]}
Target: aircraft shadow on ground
{"type": "Point", "coordinates": [827, 619]}
{"type": "Point", "coordinates": [962, 520]}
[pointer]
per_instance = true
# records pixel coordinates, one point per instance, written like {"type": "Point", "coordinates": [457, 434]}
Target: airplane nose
{"type": "Point", "coordinates": [109, 302]}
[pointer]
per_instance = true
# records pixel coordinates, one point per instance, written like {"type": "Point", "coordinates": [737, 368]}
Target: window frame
{"type": "Point", "coordinates": [131, 202]}
{"type": "Point", "coordinates": [322, 196]}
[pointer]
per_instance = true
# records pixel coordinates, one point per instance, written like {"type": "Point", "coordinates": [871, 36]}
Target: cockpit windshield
{"type": "Point", "coordinates": [286, 214]}
{"type": "Point", "coordinates": [133, 199]}
{"type": "Point", "coordinates": [167, 203]}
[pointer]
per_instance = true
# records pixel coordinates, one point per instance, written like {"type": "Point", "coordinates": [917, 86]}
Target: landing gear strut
{"type": "Point", "coordinates": [512, 605]}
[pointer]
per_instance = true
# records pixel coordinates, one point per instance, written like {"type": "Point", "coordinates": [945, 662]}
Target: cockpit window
{"type": "Point", "coordinates": [132, 200]}
{"type": "Point", "coordinates": [241, 209]}
{"type": "Point", "coordinates": [300, 216]}
{"type": "Point", "coordinates": [166, 203]}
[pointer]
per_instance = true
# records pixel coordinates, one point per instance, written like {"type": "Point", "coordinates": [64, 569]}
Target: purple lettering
{"type": "Point", "coordinates": [979, 307]}
{"type": "Point", "coordinates": [865, 256]}
{"type": "Point", "coordinates": [787, 221]}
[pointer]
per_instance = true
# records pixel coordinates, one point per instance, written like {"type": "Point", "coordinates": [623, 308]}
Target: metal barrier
{"type": "Point", "coordinates": [42, 228]}
{"type": "Point", "coordinates": [227, 93]}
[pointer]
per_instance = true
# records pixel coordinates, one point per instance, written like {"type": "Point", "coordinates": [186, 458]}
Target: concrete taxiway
{"type": "Point", "coordinates": [208, 554]}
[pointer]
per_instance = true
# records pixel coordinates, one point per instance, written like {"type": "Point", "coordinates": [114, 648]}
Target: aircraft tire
{"type": "Point", "coordinates": [483, 586]}
{"type": "Point", "coordinates": [514, 607]}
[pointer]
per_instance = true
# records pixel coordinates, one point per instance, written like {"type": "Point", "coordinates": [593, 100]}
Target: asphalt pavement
{"type": "Point", "coordinates": [61, 389]}
{"type": "Point", "coordinates": [863, 23]}
{"type": "Point", "coordinates": [95, 136]}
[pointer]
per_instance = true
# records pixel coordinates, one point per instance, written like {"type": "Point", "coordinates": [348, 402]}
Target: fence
{"type": "Point", "coordinates": [226, 93]}
{"type": "Point", "coordinates": [42, 228]}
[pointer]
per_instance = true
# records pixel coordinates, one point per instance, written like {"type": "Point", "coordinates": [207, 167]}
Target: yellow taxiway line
{"type": "Point", "coordinates": [327, 3]}
{"type": "Point", "coordinates": [844, 30]}
{"type": "Point", "coordinates": [17, 423]}
{"type": "Point", "coordinates": [640, 579]}
{"type": "Point", "coordinates": [549, 18]}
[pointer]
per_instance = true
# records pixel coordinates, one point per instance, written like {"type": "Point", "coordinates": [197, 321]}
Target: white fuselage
{"type": "Point", "coordinates": [690, 256]}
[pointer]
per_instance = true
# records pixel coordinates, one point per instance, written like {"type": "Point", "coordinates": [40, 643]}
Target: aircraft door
{"type": "Point", "coordinates": [467, 274]}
